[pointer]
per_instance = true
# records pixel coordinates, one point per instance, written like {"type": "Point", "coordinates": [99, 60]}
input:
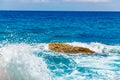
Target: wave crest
{"type": "Point", "coordinates": [36, 62]}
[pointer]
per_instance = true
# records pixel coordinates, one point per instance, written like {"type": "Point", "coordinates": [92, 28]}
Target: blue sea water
{"type": "Point", "coordinates": [25, 35]}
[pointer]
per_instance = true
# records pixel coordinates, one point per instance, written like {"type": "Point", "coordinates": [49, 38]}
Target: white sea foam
{"type": "Point", "coordinates": [98, 47]}
{"type": "Point", "coordinates": [104, 66]}
{"type": "Point", "coordinates": [20, 62]}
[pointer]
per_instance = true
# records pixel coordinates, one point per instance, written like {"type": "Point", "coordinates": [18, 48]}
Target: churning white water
{"type": "Point", "coordinates": [20, 62]}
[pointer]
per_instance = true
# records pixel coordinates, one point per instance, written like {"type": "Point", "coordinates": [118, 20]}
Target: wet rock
{"type": "Point", "coordinates": [66, 48]}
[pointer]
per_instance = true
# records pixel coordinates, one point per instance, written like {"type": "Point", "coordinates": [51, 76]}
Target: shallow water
{"type": "Point", "coordinates": [24, 39]}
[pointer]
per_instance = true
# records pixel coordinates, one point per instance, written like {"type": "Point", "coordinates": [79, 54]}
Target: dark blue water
{"type": "Point", "coordinates": [48, 27]}
{"type": "Point", "coordinates": [24, 36]}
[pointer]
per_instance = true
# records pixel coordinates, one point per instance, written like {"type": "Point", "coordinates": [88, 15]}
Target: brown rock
{"type": "Point", "coordinates": [66, 48]}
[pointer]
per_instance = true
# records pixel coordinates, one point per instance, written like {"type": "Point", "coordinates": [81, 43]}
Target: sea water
{"type": "Point", "coordinates": [25, 35]}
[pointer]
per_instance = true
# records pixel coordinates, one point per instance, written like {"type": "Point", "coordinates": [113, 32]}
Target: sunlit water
{"type": "Point", "coordinates": [24, 39]}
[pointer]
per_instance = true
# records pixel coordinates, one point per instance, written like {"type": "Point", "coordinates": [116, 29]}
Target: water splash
{"type": "Point", "coordinates": [36, 62]}
{"type": "Point", "coordinates": [22, 64]}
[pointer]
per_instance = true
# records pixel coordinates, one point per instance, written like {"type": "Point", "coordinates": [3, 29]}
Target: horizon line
{"type": "Point", "coordinates": [64, 10]}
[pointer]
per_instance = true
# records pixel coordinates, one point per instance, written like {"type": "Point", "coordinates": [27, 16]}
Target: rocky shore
{"type": "Point", "coordinates": [66, 48]}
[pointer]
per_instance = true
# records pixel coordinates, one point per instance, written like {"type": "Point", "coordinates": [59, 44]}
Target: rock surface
{"type": "Point", "coordinates": [66, 48]}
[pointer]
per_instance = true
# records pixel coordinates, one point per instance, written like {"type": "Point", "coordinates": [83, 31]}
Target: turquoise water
{"type": "Point", "coordinates": [25, 35]}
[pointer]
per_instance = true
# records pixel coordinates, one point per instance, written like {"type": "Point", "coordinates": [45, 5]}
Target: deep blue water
{"type": "Point", "coordinates": [24, 36]}
{"type": "Point", "coordinates": [47, 27]}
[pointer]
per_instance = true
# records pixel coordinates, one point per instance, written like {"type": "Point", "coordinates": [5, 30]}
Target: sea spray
{"type": "Point", "coordinates": [35, 61]}
{"type": "Point", "coordinates": [98, 47]}
{"type": "Point", "coordinates": [22, 64]}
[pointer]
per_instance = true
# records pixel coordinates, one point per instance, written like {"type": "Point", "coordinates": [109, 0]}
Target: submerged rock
{"type": "Point", "coordinates": [66, 48]}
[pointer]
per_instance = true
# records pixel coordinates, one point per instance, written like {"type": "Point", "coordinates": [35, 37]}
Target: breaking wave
{"type": "Point", "coordinates": [36, 62]}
